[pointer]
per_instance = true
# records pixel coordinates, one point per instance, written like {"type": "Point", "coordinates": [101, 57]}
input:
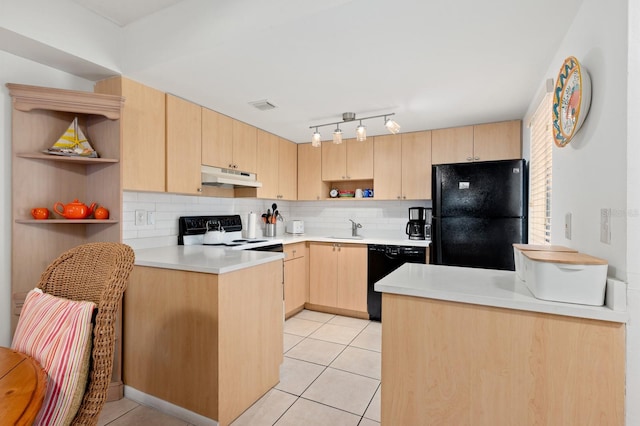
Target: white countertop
{"type": "Point", "coordinates": [486, 287]}
{"type": "Point", "coordinates": [207, 259]}
{"type": "Point", "coordinates": [342, 237]}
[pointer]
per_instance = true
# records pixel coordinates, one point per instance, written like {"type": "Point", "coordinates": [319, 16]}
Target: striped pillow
{"type": "Point", "coordinates": [57, 333]}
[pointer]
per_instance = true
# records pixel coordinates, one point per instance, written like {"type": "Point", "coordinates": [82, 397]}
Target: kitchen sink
{"type": "Point", "coordinates": [348, 237]}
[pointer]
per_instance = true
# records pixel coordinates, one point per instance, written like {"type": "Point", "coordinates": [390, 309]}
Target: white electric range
{"type": "Point", "coordinates": [191, 230]}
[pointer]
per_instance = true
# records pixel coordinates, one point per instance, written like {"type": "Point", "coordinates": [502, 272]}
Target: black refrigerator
{"type": "Point", "coordinates": [479, 211]}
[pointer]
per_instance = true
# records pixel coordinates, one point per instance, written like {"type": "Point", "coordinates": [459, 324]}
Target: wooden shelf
{"type": "Point", "coordinates": [77, 160]}
{"type": "Point", "coordinates": [66, 221]}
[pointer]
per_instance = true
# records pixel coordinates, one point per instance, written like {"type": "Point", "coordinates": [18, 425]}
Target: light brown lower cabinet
{"type": "Point", "coordinates": [209, 343]}
{"type": "Point", "coordinates": [338, 277]}
{"type": "Point", "coordinates": [295, 278]}
{"type": "Point", "coordinates": [463, 364]}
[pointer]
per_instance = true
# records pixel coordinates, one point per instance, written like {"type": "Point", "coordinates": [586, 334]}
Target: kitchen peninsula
{"type": "Point", "coordinates": [203, 327]}
{"type": "Point", "coordinates": [473, 346]}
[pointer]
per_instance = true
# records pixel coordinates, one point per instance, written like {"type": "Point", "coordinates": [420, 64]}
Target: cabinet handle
{"type": "Point", "coordinates": [348, 177]}
{"type": "Point", "coordinates": [476, 158]}
{"type": "Point", "coordinates": [344, 177]}
{"type": "Point", "coordinates": [404, 197]}
{"type": "Point", "coordinates": [317, 197]}
{"type": "Point", "coordinates": [469, 159]}
{"type": "Point", "coordinates": [199, 189]}
{"type": "Point", "coordinates": [230, 166]}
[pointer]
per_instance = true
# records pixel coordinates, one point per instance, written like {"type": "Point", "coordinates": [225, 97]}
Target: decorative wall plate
{"type": "Point", "coordinates": [571, 100]}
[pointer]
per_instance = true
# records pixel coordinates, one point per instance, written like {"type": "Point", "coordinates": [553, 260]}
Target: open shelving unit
{"type": "Point", "coordinates": [40, 115]}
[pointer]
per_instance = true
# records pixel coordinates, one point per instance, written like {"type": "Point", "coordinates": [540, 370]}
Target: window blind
{"type": "Point", "coordinates": [540, 173]}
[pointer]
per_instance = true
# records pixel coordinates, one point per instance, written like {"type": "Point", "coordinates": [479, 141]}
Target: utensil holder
{"type": "Point", "coordinates": [270, 230]}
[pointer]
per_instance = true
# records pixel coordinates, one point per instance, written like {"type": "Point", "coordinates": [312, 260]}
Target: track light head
{"type": "Point", "coordinates": [316, 139]}
{"type": "Point", "coordinates": [391, 125]}
{"type": "Point", "coordinates": [337, 136]}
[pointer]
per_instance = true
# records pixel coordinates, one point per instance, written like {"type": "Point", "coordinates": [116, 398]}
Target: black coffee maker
{"type": "Point", "coordinates": [416, 227]}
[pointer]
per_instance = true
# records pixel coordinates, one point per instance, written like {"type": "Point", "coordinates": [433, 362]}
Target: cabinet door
{"type": "Point", "coordinates": [217, 139]}
{"type": "Point", "coordinates": [352, 277]}
{"type": "Point", "coordinates": [497, 141]}
{"type": "Point", "coordinates": [334, 161]}
{"type": "Point", "coordinates": [143, 133]}
{"type": "Point", "coordinates": [416, 166]}
{"type": "Point", "coordinates": [454, 145]}
{"type": "Point", "coordinates": [267, 165]}
{"type": "Point", "coordinates": [183, 146]}
{"type": "Point", "coordinates": [310, 184]}
{"type": "Point", "coordinates": [244, 146]}
{"type": "Point", "coordinates": [294, 285]}
{"type": "Point", "coordinates": [287, 170]}
{"type": "Point", "coordinates": [359, 159]}
{"type": "Point", "coordinates": [323, 266]}
{"type": "Point", "coordinates": [387, 167]}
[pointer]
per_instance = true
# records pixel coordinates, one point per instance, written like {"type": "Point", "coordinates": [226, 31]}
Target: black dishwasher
{"type": "Point", "coordinates": [383, 260]}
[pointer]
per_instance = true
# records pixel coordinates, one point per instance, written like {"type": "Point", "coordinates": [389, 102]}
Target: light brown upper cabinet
{"type": "Point", "coordinates": [350, 160]}
{"type": "Point", "coordinates": [482, 142]}
{"type": "Point", "coordinates": [277, 167]}
{"type": "Point", "coordinates": [387, 166]}
{"type": "Point", "coordinates": [497, 141]}
{"type": "Point", "coordinates": [402, 166]}
{"type": "Point", "coordinates": [287, 170]}
{"type": "Point", "coordinates": [245, 153]}
{"type": "Point", "coordinates": [228, 143]}
{"type": "Point", "coordinates": [416, 166]}
{"type": "Point", "coordinates": [143, 133]}
{"type": "Point", "coordinates": [310, 183]}
{"type": "Point", "coordinates": [184, 124]}
{"type": "Point", "coordinates": [453, 145]}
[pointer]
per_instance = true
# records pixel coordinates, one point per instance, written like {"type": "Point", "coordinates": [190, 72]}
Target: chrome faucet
{"type": "Point", "coordinates": [354, 228]}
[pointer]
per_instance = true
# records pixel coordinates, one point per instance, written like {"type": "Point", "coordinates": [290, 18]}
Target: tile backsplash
{"type": "Point", "coordinates": [332, 216]}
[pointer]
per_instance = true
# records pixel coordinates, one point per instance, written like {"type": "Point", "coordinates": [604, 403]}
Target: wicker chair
{"type": "Point", "coordinates": [96, 272]}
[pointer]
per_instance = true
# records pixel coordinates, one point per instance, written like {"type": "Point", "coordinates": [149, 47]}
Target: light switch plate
{"type": "Point", "coordinates": [605, 226]}
{"type": "Point", "coordinates": [567, 226]}
{"type": "Point", "coordinates": [141, 217]}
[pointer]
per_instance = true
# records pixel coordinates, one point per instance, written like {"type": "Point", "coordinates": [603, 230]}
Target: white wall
{"type": "Point", "coordinates": [14, 69]}
{"type": "Point", "coordinates": [590, 172]}
{"type": "Point", "coordinates": [633, 215]}
{"type": "Point", "coordinates": [64, 26]}
{"type": "Point", "coordinates": [598, 169]}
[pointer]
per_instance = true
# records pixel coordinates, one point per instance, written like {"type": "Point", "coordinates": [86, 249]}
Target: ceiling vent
{"type": "Point", "coordinates": [263, 105]}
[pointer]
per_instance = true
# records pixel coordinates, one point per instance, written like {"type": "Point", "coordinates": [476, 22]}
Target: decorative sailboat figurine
{"type": "Point", "coordinates": [73, 143]}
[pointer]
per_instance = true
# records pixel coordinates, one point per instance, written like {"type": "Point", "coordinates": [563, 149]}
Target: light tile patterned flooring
{"type": "Point", "coordinates": [330, 376]}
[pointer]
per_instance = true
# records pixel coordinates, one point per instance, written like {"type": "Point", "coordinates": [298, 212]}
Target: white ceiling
{"type": "Point", "coordinates": [434, 63]}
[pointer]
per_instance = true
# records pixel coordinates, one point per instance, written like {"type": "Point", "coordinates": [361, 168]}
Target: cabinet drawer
{"type": "Point", "coordinates": [294, 251]}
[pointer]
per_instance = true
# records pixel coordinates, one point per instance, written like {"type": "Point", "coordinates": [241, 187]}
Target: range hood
{"type": "Point", "coordinates": [228, 178]}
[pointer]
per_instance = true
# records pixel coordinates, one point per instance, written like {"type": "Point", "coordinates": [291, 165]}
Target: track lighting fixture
{"type": "Point", "coordinates": [361, 131]}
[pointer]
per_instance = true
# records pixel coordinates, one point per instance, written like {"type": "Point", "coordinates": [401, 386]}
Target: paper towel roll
{"type": "Point", "coordinates": [251, 225]}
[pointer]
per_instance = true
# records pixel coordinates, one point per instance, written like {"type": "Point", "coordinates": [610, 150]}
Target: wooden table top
{"type": "Point", "coordinates": [23, 384]}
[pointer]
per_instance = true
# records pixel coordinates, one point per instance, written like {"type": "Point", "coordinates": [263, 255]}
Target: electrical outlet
{"type": "Point", "coordinates": [141, 217]}
{"type": "Point", "coordinates": [567, 226]}
{"type": "Point", "coordinates": [151, 218]}
{"type": "Point", "coordinates": [605, 226]}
